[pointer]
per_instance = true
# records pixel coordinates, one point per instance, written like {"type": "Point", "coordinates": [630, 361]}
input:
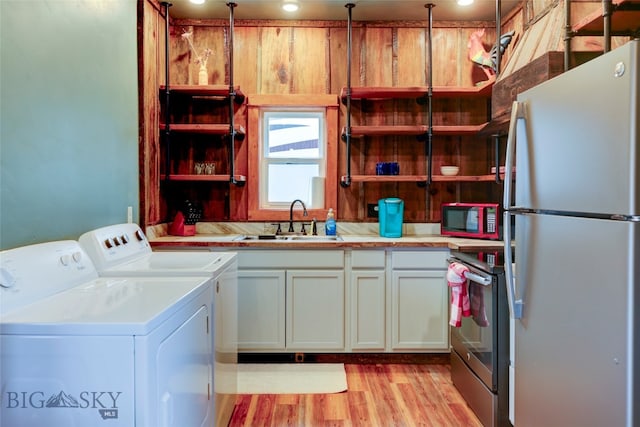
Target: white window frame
{"type": "Point", "coordinates": [256, 103]}
{"type": "Point", "coordinates": [266, 161]}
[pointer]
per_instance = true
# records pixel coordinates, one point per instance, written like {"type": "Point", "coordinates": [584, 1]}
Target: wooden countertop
{"type": "Point", "coordinates": [346, 242]}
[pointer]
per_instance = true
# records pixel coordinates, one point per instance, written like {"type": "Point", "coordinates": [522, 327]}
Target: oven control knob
{"type": "Point", "coordinates": [108, 243]}
{"type": "Point", "coordinates": [116, 240]}
{"type": "Point", "coordinates": [125, 239]}
{"type": "Point", "coordinates": [139, 235]}
{"type": "Point", "coordinates": [468, 356]}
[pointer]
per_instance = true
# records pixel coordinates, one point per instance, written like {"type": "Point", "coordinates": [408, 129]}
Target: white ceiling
{"type": "Point", "coordinates": [365, 10]}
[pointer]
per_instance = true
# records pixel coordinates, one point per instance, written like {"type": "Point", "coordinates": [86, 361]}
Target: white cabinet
{"type": "Point", "coordinates": [291, 300]}
{"type": "Point", "coordinates": [367, 308]}
{"type": "Point", "coordinates": [360, 300]}
{"type": "Point", "coordinates": [261, 309]}
{"type": "Point", "coordinates": [419, 301]}
{"type": "Point", "coordinates": [315, 310]}
{"type": "Point", "coordinates": [226, 314]}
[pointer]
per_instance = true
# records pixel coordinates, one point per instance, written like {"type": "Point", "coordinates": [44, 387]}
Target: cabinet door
{"type": "Point", "coordinates": [226, 315]}
{"type": "Point", "coordinates": [225, 374]}
{"type": "Point", "coordinates": [367, 312]}
{"type": "Point", "coordinates": [419, 310]}
{"type": "Point", "coordinates": [315, 310]}
{"type": "Point", "coordinates": [261, 310]}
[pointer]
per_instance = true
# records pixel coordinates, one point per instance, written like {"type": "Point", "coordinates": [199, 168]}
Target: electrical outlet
{"type": "Point", "coordinates": [372, 210]}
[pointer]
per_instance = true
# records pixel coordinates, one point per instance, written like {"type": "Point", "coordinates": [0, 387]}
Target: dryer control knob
{"type": "Point", "coordinates": [77, 256]}
{"type": "Point", "coordinates": [64, 259]}
{"type": "Point", "coordinates": [6, 278]}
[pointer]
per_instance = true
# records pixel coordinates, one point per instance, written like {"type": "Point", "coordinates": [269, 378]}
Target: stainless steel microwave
{"type": "Point", "coordinates": [473, 220]}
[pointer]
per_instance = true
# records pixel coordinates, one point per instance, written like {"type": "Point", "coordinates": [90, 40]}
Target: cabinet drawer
{"type": "Point", "coordinates": [305, 258]}
{"type": "Point", "coordinates": [419, 259]}
{"type": "Point", "coordinates": [367, 259]}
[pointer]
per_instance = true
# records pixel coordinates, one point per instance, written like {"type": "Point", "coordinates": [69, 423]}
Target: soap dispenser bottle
{"type": "Point", "coordinates": [330, 224]}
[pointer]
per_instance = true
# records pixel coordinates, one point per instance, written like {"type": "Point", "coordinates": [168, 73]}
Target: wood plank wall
{"type": "Point", "coordinates": [151, 58]}
{"type": "Point", "coordinates": [300, 57]}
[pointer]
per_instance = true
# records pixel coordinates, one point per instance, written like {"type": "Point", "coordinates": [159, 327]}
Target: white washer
{"type": "Point", "coordinates": [123, 250]}
{"type": "Point", "coordinates": [80, 350]}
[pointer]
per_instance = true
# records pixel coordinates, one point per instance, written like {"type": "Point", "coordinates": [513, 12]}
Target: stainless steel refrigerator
{"type": "Point", "coordinates": [575, 295]}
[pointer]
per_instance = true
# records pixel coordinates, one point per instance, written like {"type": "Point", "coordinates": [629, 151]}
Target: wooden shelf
{"type": "Point", "coordinates": [206, 129]}
{"type": "Point", "coordinates": [421, 178]}
{"type": "Point", "coordinates": [423, 95]}
{"type": "Point", "coordinates": [359, 131]}
{"type": "Point", "coordinates": [418, 130]}
{"type": "Point", "coordinates": [380, 93]}
{"type": "Point", "coordinates": [217, 91]}
{"type": "Point", "coordinates": [625, 19]}
{"type": "Point", "coordinates": [205, 178]}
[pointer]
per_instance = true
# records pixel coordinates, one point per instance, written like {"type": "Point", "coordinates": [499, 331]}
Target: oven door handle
{"type": "Point", "coordinates": [484, 281]}
{"type": "Point", "coordinates": [475, 276]}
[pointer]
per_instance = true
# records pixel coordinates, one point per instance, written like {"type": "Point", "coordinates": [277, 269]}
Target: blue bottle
{"type": "Point", "coordinates": [330, 224]}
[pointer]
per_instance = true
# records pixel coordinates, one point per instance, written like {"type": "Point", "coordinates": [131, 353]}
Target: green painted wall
{"type": "Point", "coordinates": [68, 117]}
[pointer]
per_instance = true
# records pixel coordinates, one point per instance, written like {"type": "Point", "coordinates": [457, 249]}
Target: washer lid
{"type": "Point", "coordinates": [174, 263]}
{"type": "Point", "coordinates": [106, 306]}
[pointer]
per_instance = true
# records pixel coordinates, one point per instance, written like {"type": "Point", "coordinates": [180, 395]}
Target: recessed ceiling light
{"type": "Point", "coordinates": [465, 2]}
{"type": "Point", "coordinates": [197, 1]}
{"type": "Point", "coordinates": [290, 6]}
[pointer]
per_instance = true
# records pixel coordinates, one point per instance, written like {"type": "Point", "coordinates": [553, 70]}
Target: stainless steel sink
{"type": "Point", "coordinates": [287, 238]}
{"type": "Point", "coordinates": [315, 238]}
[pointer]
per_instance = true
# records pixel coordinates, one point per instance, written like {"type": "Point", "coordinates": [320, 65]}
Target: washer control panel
{"type": "Point", "coordinates": [61, 265]}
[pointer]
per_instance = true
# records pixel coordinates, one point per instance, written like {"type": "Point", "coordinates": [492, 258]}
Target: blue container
{"type": "Point", "coordinates": [390, 216]}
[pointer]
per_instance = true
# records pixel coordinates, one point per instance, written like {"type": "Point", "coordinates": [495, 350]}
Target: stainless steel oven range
{"type": "Point", "coordinates": [480, 353]}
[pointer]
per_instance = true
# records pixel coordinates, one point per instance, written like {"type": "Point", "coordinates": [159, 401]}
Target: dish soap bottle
{"type": "Point", "coordinates": [330, 224]}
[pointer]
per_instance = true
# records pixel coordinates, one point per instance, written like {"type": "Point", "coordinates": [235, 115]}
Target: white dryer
{"type": "Point", "coordinates": [77, 349]}
{"type": "Point", "coordinates": [123, 250]}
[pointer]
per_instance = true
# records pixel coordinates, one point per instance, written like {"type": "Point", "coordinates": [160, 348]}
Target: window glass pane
{"type": "Point", "coordinates": [288, 182]}
{"type": "Point", "coordinates": [293, 135]}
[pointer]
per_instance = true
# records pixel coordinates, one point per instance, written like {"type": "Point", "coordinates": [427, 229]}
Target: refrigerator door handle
{"type": "Point", "coordinates": [515, 306]}
{"type": "Point", "coordinates": [517, 112]}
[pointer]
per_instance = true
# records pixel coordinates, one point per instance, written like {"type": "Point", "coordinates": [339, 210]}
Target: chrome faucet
{"type": "Point", "coordinates": [304, 213]}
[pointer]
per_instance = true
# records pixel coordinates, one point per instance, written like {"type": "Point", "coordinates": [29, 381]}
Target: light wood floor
{"type": "Point", "coordinates": [379, 395]}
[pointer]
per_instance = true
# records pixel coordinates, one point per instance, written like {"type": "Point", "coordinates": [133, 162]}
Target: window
{"type": "Point", "coordinates": [292, 154]}
{"type": "Point", "coordinates": [292, 158]}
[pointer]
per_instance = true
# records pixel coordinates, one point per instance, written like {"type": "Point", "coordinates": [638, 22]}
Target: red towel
{"type": "Point", "coordinates": [476, 295]}
{"type": "Point", "coordinates": [459, 296]}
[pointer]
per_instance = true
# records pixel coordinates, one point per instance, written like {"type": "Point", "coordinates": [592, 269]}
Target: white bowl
{"type": "Point", "coordinates": [449, 170]}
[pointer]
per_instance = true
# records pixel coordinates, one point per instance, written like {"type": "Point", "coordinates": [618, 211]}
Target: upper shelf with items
{"type": "Point", "coordinates": [173, 126]}
{"type": "Point", "coordinates": [212, 92]}
{"type": "Point", "coordinates": [219, 91]}
{"type": "Point", "coordinates": [419, 131]}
